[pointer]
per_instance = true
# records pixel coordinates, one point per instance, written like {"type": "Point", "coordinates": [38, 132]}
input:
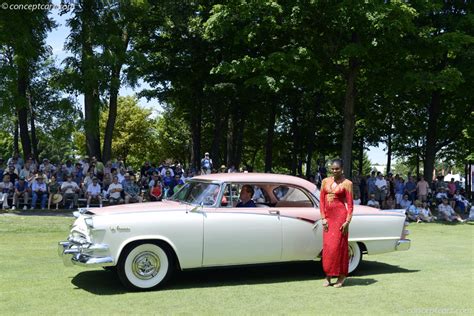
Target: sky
{"type": "Point", "coordinates": [57, 37]}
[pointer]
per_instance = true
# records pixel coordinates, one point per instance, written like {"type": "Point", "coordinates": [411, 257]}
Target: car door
{"type": "Point", "coordinates": [301, 238]}
{"type": "Point", "coordinates": [234, 235]}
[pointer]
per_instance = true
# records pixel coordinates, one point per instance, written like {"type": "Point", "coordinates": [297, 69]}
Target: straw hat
{"type": "Point", "coordinates": [57, 198]}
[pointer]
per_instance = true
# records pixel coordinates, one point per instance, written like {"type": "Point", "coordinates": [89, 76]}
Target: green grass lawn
{"type": "Point", "coordinates": [434, 277]}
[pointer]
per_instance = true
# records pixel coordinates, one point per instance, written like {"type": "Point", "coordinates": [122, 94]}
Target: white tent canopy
{"type": "Point", "coordinates": [457, 177]}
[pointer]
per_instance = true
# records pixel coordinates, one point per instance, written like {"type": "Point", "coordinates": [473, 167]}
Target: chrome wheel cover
{"type": "Point", "coordinates": [146, 265]}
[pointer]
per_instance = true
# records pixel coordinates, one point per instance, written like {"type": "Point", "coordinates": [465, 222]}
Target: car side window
{"type": "Point", "coordinates": [291, 197]}
{"type": "Point", "coordinates": [231, 195]}
{"type": "Point", "coordinates": [259, 195]}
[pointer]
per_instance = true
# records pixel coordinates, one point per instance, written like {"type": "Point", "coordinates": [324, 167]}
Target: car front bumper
{"type": "Point", "coordinates": [403, 244]}
{"type": "Point", "coordinates": [84, 254]}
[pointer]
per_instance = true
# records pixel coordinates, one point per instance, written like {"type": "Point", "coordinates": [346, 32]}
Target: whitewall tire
{"type": "Point", "coordinates": [145, 266]}
{"type": "Point", "coordinates": [355, 256]}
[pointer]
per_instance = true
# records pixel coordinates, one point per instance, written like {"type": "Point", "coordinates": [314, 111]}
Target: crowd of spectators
{"type": "Point", "coordinates": [415, 195]}
{"type": "Point", "coordinates": [92, 182]}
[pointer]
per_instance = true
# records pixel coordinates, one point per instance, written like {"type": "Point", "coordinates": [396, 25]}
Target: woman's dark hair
{"type": "Point", "coordinates": [338, 162]}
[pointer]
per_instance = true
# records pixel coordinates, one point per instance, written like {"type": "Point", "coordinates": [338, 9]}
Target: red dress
{"type": "Point", "coordinates": [336, 207]}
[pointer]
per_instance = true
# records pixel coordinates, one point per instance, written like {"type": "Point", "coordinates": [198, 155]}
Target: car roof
{"type": "Point", "coordinates": [258, 178]}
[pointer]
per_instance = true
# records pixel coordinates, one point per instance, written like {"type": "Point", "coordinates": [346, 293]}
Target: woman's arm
{"type": "Point", "coordinates": [322, 199]}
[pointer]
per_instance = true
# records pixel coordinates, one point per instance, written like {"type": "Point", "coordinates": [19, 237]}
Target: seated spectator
{"type": "Point", "coordinates": [2, 167]}
{"type": "Point", "coordinates": [132, 191]}
{"type": "Point", "coordinates": [380, 188]}
{"type": "Point", "coordinates": [410, 189]}
{"type": "Point", "coordinates": [446, 212]}
{"type": "Point", "coordinates": [405, 203]}
{"type": "Point", "coordinates": [47, 168]}
{"type": "Point", "coordinates": [94, 192]}
{"type": "Point", "coordinates": [440, 195]}
{"type": "Point", "coordinates": [87, 180]}
{"type": "Point", "coordinates": [107, 181]}
{"type": "Point", "coordinates": [54, 189]}
{"type": "Point", "coordinates": [156, 191]}
{"type": "Point", "coordinates": [389, 203]}
{"type": "Point", "coordinates": [21, 190]}
{"type": "Point", "coordinates": [399, 190]}
{"type": "Point", "coordinates": [114, 192]}
{"type": "Point", "coordinates": [25, 173]}
{"type": "Point", "coordinates": [372, 202]}
{"type": "Point", "coordinates": [178, 183]}
{"type": "Point", "coordinates": [78, 174]}
{"type": "Point", "coordinates": [39, 190]}
{"type": "Point", "coordinates": [258, 195]}
{"type": "Point", "coordinates": [414, 210]}
{"type": "Point", "coordinates": [246, 194]}
{"type": "Point", "coordinates": [425, 213]}
{"type": "Point", "coordinates": [70, 191]}
{"type": "Point", "coordinates": [6, 188]}
{"type": "Point", "coordinates": [461, 202]}
{"type": "Point", "coordinates": [12, 172]}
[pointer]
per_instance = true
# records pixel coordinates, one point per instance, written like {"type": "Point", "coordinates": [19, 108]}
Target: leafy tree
{"type": "Point", "coordinates": [135, 138]}
{"type": "Point", "coordinates": [22, 40]}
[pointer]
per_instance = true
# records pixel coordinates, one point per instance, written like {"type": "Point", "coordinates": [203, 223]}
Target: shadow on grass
{"type": "Point", "coordinates": [107, 283]}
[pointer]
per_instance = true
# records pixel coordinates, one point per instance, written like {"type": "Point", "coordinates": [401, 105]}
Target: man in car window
{"type": "Point", "coordinates": [246, 194]}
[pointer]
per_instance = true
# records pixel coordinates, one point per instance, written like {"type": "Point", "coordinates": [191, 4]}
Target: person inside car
{"type": "Point", "coordinates": [246, 194]}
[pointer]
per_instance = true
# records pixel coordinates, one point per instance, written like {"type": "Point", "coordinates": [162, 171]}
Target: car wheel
{"type": "Point", "coordinates": [144, 266]}
{"type": "Point", "coordinates": [355, 256]}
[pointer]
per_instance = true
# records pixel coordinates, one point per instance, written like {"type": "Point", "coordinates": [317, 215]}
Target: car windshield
{"type": "Point", "coordinates": [198, 192]}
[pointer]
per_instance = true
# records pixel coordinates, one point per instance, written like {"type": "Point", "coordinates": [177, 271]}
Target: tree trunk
{"type": "Point", "coordinates": [349, 117]}
{"type": "Point", "coordinates": [16, 147]}
{"type": "Point", "coordinates": [389, 153]}
{"type": "Point", "coordinates": [109, 128]}
{"type": "Point", "coordinates": [219, 122]}
{"type": "Point", "coordinates": [34, 140]}
{"type": "Point", "coordinates": [239, 139]}
{"type": "Point", "coordinates": [434, 111]}
{"type": "Point", "coordinates": [230, 137]}
{"type": "Point", "coordinates": [269, 140]}
{"type": "Point", "coordinates": [113, 101]}
{"type": "Point", "coordinates": [91, 84]}
{"type": "Point", "coordinates": [361, 156]}
{"type": "Point", "coordinates": [22, 110]}
{"type": "Point", "coordinates": [196, 134]}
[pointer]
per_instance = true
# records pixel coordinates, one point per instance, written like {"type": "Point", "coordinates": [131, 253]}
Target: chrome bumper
{"type": "Point", "coordinates": [403, 244]}
{"type": "Point", "coordinates": [84, 254]}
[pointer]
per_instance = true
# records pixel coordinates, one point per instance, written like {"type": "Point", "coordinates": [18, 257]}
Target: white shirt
{"type": "Point", "coordinates": [93, 189]}
{"type": "Point", "coordinates": [373, 203]}
{"type": "Point", "coordinates": [163, 172]}
{"type": "Point", "coordinates": [381, 184]}
{"type": "Point", "coordinates": [120, 177]}
{"type": "Point", "coordinates": [69, 187]}
{"type": "Point", "coordinates": [446, 209]}
{"type": "Point", "coordinates": [405, 203]}
{"type": "Point", "coordinates": [113, 186]}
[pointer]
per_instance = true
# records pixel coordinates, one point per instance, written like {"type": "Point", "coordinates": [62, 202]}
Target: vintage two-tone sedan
{"type": "Point", "coordinates": [200, 227]}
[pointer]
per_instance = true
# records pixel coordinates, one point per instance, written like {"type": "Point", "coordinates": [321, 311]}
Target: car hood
{"type": "Point", "coordinates": [165, 205]}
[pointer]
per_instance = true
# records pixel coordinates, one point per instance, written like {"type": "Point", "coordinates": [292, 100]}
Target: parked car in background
{"type": "Point", "coordinates": [200, 227]}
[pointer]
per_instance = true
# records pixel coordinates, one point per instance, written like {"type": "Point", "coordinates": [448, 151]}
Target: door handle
{"type": "Point", "coordinates": [274, 212]}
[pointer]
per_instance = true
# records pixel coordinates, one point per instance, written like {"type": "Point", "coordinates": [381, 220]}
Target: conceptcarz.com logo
{"type": "Point", "coordinates": [37, 6]}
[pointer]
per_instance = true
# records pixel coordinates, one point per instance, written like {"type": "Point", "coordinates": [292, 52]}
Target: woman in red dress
{"type": "Point", "coordinates": [336, 213]}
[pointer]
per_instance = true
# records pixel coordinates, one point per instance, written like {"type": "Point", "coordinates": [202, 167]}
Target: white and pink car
{"type": "Point", "coordinates": [202, 227]}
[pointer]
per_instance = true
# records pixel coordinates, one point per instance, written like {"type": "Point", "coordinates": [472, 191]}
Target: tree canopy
{"type": "Point", "coordinates": [269, 85]}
